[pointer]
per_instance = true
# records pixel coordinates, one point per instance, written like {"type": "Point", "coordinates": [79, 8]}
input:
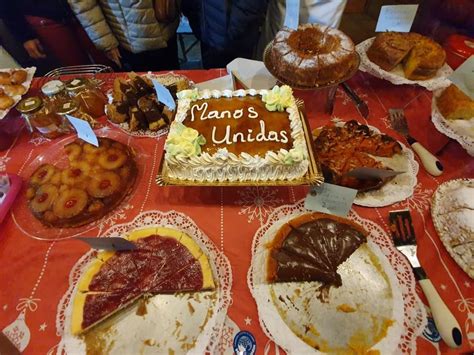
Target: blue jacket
{"type": "Point", "coordinates": [226, 24]}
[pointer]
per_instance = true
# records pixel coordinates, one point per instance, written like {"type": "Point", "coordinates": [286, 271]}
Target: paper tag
{"type": "Point", "coordinates": [373, 173]}
{"type": "Point", "coordinates": [222, 83]}
{"type": "Point", "coordinates": [397, 18]}
{"type": "Point", "coordinates": [113, 243]}
{"type": "Point", "coordinates": [67, 105]}
{"type": "Point", "coordinates": [292, 14]}
{"type": "Point", "coordinates": [84, 130]}
{"type": "Point", "coordinates": [75, 82]}
{"type": "Point", "coordinates": [463, 77]}
{"type": "Point", "coordinates": [329, 198]}
{"type": "Point", "coordinates": [164, 95]}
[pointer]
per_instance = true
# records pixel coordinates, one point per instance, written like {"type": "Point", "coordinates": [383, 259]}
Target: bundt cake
{"type": "Point", "coordinates": [312, 55]}
{"type": "Point", "coordinates": [420, 56]}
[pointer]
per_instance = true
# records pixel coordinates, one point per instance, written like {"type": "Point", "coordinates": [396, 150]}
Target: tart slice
{"type": "Point", "coordinates": [311, 247]}
{"type": "Point", "coordinates": [164, 261]}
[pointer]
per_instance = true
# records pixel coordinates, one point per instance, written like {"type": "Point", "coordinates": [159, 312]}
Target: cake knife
{"type": "Point", "coordinates": [404, 238]}
{"type": "Point", "coordinates": [399, 123]}
{"type": "Point", "coordinates": [360, 105]}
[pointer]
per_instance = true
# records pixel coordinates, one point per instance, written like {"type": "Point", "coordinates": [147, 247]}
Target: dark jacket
{"type": "Point", "coordinates": [226, 24]}
{"type": "Point", "coordinates": [13, 12]}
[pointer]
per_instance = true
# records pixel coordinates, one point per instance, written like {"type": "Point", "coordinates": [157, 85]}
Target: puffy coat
{"type": "Point", "coordinates": [226, 24]}
{"type": "Point", "coordinates": [131, 23]}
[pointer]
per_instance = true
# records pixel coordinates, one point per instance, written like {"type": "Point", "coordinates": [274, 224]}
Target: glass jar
{"type": "Point", "coordinates": [70, 107]}
{"type": "Point", "coordinates": [55, 93]}
{"type": "Point", "coordinates": [41, 118]}
{"type": "Point", "coordinates": [89, 97]}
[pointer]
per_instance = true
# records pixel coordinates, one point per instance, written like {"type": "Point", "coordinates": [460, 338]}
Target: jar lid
{"type": "Point", "coordinates": [29, 104]}
{"type": "Point", "coordinates": [75, 84]}
{"type": "Point", "coordinates": [67, 108]}
{"type": "Point", "coordinates": [52, 87]}
{"type": "Point", "coordinates": [460, 45]}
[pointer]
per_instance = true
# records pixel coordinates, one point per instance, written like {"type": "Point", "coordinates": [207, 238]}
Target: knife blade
{"type": "Point", "coordinates": [359, 103]}
{"type": "Point", "coordinates": [112, 243]}
{"type": "Point", "coordinates": [373, 173]}
{"type": "Point", "coordinates": [403, 235]}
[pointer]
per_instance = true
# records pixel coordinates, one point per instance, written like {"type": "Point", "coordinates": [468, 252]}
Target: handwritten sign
{"type": "Point", "coordinates": [463, 77]}
{"type": "Point", "coordinates": [113, 243]}
{"type": "Point", "coordinates": [164, 95]}
{"type": "Point", "coordinates": [397, 18]}
{"type": "Point", "coordinates": [84, 130]}
{"type": "Point", "coordinates": [330, 199]}
{"type": "Point", "coordinates": [292, 14]}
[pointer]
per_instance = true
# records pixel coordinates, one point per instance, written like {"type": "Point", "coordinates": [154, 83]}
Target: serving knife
{"type": "Point", "coordinates": [404, 238]}
{"type": "Point", "coordinates": [112, 243]}
{"type": "Point", "coordinates": [360, 104]}
{"type": "Point", "coordinates": [399, 123]}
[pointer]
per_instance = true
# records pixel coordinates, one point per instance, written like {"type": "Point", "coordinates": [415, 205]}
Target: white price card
{"type": "Point", "coordinates": [329, 198]}
{"type": "Point", "coordinates": [397, 18]}
{"type": "Point", "coordinates": [164, 95]}
{"type": "Point", "coordinates": [84, 130]}
{"type": "Point", "coordinates": [463, 77]}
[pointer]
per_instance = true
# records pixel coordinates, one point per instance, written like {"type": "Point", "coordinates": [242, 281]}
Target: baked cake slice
{"type": "Point", "coordinates": [243, 135]}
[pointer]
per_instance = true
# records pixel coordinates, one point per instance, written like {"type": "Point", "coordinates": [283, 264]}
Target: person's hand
{"type": "Point", "coordinates": [34, 49]}
{"type": "Point", "coordinates": [114, 56]}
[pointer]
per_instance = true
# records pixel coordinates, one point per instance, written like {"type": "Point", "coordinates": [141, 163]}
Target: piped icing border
{"type": "Point", "coordinates": [297, 154]}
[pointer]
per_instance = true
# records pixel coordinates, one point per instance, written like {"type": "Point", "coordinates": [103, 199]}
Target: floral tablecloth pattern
{"type": "Point", "coordinates": [34, 274]}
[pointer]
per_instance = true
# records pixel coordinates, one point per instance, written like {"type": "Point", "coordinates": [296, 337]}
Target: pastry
{"type": "Point", "coordinates": [14, 89]}
{"type": "Point", "coordinates": [455, 105]}
{"type": "Point", "coordinates": [236, 136]}
{"type": "Point", "coordinates": [18, 76]}
{"type": "Point", "coordinates": [135, 102]}
{"type": "Point", "coordinates": [420, 56]}
{"type": "Point", "coordinates": [5, 101]}
{"type": "Point", "coordinates": [312, 55]}
{"type": "Point", "coordinates": [164, 261]}
{"type": "Point", "coordinates": [311, 247]}
{"type": "Point", "coordinates": [342, 149]}
{"type": "Point", "coordinates": [5, 78]}
{"type": "Point", "coordinates": [91, 186]}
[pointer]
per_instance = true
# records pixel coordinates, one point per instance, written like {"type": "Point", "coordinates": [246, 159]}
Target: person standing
{"type": "Point", "coordinates": [324, 12]}
{"type": "Point", "coordinates": [137, 35]}
{"type": "Point", "coordinates": [47, 29]}
{"type": "Point", "coordinates": [227, 29]}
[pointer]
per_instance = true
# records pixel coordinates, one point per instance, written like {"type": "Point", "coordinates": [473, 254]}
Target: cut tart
{"type": "Point", "coordinates": [165, 261]}
{"type": "Point", "coordinates": [92, 185]}
{"type": "Point", "coordinates": [342, 149]}
{"type": "Point", "coordinates": [311, 247]}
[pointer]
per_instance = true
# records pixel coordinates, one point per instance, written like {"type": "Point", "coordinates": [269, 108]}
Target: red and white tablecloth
{"type": "Point", "coordinates": [34, 274]}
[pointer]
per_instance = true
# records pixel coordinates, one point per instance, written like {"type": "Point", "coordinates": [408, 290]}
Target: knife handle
{"type": "Point", "coordinates": [431, 164]}
{"type": "Point", "coordinates": [447, 325]}
{"type": "Point", "coordinates": [351, 93]}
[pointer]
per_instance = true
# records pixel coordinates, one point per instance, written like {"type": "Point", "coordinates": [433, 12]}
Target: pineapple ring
{"type": "Point", "coordinates": [44, 198]}
{"type": "Point", "coordinates": [73, 151]}
{"type": "Point", "coordinates": [91, 149]}
{"type": "Point", "coordinates": [112, 159]}
{"type": "Point", "coordinates": [43, 174]}
{"type": "Point", "coordinates": [104, 184]}
{"type": "Point", "coordinates": [70, 203]}
{"type": "Point", "coordinates": [75, 174]}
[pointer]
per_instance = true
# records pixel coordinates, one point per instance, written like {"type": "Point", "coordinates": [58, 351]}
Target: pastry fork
{"type": "Point", "coordinates": [404, 238]}
{"type": "Point", "coordinates": [399, 123]}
